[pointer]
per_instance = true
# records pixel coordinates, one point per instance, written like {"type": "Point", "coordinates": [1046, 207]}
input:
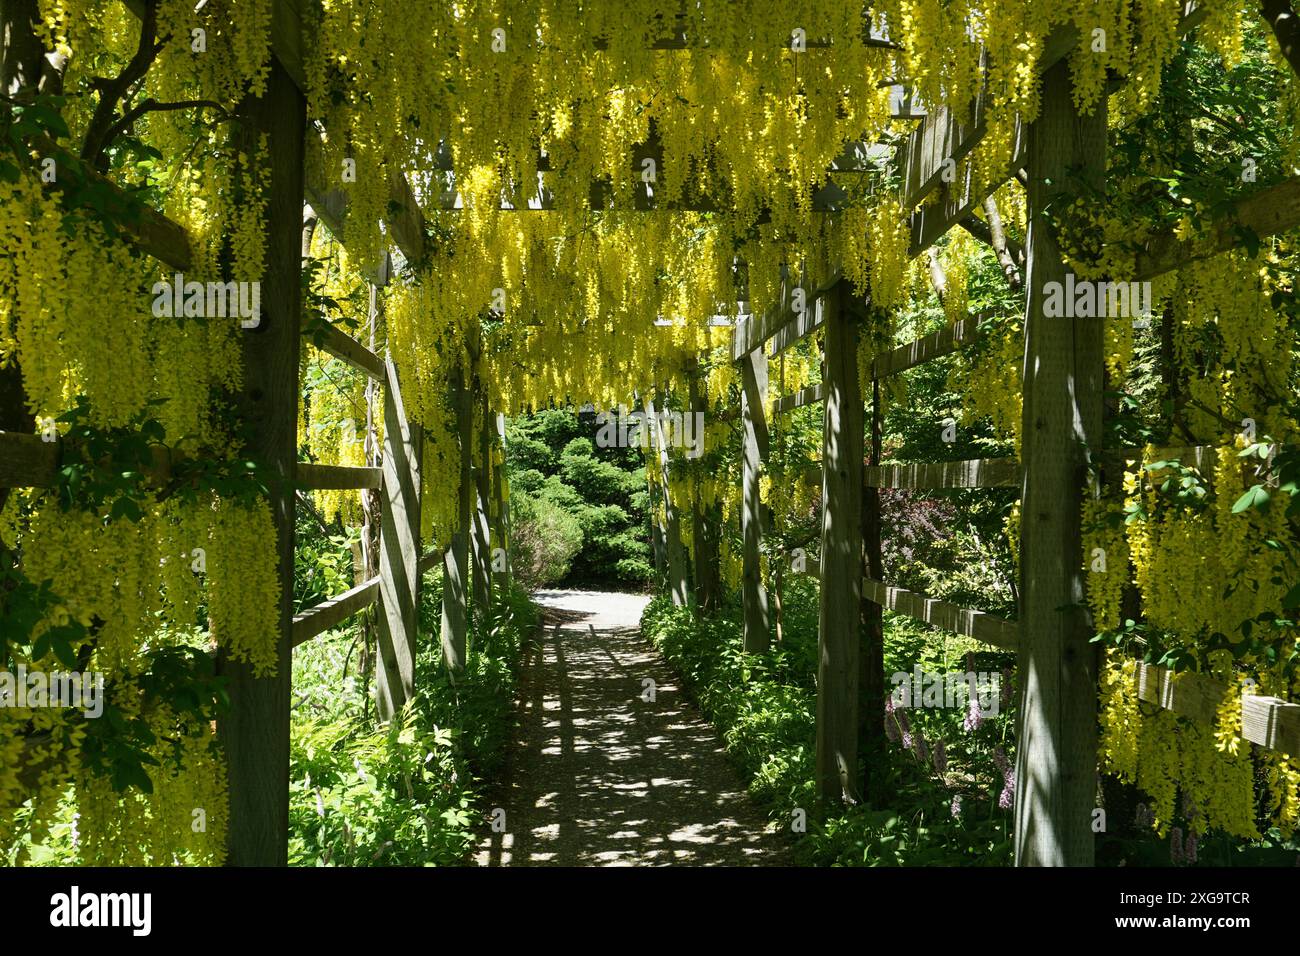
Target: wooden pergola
{"type": "Point", "coordinates": [1062, 427]}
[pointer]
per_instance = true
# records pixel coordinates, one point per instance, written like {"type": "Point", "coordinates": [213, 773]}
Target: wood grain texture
{"type": "Point", "coordinates": [399, 553]}
{"type": "Point", "coordinates": [974, 473]}
{"type": "Point", "coordinates": [928, 347]}
{"type": "Point", "coordinates": [319, 618]}
{"type": "Point", "coordinates": [980, 625]}
{"type": "Point", "coordinates": [455, 559]}
{"type": "Point", "coordinates": [255, 731]}
{"type": "Point", "coordinates": [841, 563]}
{"type": "Point", "coordinates": [754, 381]}
{"type": "Point", "coordinates": [315, 477]}
{"type": "Point", "coordinates": [1056, 761]}
{"type": "Point", "coordinates": [811, 395]}
{"type": "Point", "coordinates": [343, 346]}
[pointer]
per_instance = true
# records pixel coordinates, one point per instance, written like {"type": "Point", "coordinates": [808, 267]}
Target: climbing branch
{"type": "Point", "coordinates": [151, 105]}
{"type": "Point", "coordinates": [111, 90]}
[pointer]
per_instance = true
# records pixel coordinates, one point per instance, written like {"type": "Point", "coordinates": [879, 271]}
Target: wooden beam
{"type": "Point", "coordinates": [842, 558]}
{"type": "Point", "coordinates": [871, 669]}
{"type": "Point", "coordinates": [399, 553]}
{"type": "Point", "coordinates": [1064, 372]}
{"type": "Point", "coordinates": [941, 137]}
{"type": "Point", "coordinates": [983, 627]}
{"type": "Point", "coordinates": [481, 537]}
{"type": "Point", "coordinates": [318, 619]}
{"type": "Point", "coordinates": [1268, 212]}
{"type": "Point", "coordinates": [753, 331]}
{"type": "Point", "coordinates": [803, 324]}
{"type": "Point", "coordinates": [315, 477]}
{"type": "Point", "coordinates": [455, 559]}
{"type": "Point", "coordinates": [928, 347]}
{"type": "Point", "coordinates": [958, 200]}
{"type": "Point", "coordinates": [811, 395]}
{"type": "Point", "coordinates": [678, 575]}
{"type": "Point", "coordinates": [343, 346]}
{"type": "Point", "coordinates": [973, 473]}
{"type": "Point", "coordinates": [145, 227]}
{"type": "Point", "coordinates": [944, 135]}
{"type": "Point", "coordinates": [1269, 722]}
{"type": "Point", "coordinates": [753, 395]}
{"type": "Point", "coordinates": [254, 731]}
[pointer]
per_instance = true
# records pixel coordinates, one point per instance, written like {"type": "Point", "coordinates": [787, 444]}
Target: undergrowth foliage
{"type": "Point", "coordinates": [409, 793]}
{"type": "Point", "coordinates": [764, 706]}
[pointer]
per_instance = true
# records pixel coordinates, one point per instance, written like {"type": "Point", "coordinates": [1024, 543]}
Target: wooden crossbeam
{"type": "Point", "coordinates": [983, 627]}
{"type": "Point", "coordinates": [753, 331]}
{"type": "Point", "coordinates": [959, 200]}
{"type": "Point", "coordinates": [805, 396]}
{"type": "Point", "coordinates": [803, 324]}
{"type": "Point", "coordinates": [943, 136]}
{"type": "Point", "coordinates": [1269, 722]}
{"type": "Point", "coordinates": [337, 477]}
{"type": "Point", "coordinates": [343, 346]}
{"type": "Point", "coordinates": [926, 348]}
{"type": "Point", "coordinates": [330, 613]}
{"type": "Point", "coordinates": [145, 227]}
{"type": "Point", "coordinates": [974, 473]}
{"type": "Point", "coordinates": [316, 620]}
{"type": "Point", "coordinates": [1268, 212]}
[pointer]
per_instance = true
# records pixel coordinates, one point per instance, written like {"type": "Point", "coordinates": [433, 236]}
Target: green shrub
{"type": "Point", "coordinates": [544, 542]}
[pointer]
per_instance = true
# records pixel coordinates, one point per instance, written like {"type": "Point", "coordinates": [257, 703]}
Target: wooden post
{"type": "Point", "coordinates": [372, 505]}
{"type": "Point", "coordinates": [707, 579]}
{"type": "Point", "coordinates": [678, 582]}
{"type": "Point", "coordinates": [871, 727]}
{"type": "Point", "coordinates": [753, 373]}
{"type": "Point", "coordinates": [841, 572]}
{"type": "Point", "coordinates": [1056, 763]}
{"type": "Point", "coordinates": [254, 732]}
{"type": "Point", "coordinates": [455, 559]}
{"type": "Point", "coordinates": [481, 536]}
{"type": "Point", "coordinates": [399, 553]}
{"type": "Point", "coordinates": [500, 529]}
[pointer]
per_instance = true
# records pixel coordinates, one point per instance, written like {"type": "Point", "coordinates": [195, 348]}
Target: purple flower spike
{"type": "Point", "coordinates": [1176, 845]}
{"type": "Point", "coordinates": [956, 810]}
{"type": "Point", "coordinates": [940, 753]}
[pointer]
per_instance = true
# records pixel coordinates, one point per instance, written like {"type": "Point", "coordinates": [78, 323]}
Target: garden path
{"type": "Point", "coordinates": [598, 774]}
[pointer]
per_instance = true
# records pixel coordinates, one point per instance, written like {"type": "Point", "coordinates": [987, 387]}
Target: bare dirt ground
{"type": "Point", "coordinates": [601, 776]}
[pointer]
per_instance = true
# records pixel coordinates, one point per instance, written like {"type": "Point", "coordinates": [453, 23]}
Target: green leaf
{"type": "Point", "coordinates": [1256, 497]}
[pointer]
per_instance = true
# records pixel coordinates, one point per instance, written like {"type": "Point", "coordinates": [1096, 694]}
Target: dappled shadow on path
{"type": "Point", "coordinates": [601, 774]}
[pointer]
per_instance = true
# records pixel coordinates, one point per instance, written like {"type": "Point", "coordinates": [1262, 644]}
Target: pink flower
{"type": "Point", "coordinates": [974, 719]}
{"type": "Point", "coordinates": [956, 810]}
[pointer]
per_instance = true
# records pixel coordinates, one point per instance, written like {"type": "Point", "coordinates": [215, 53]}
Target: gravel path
{"type": "Point", "coordinates": [600, 776]}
